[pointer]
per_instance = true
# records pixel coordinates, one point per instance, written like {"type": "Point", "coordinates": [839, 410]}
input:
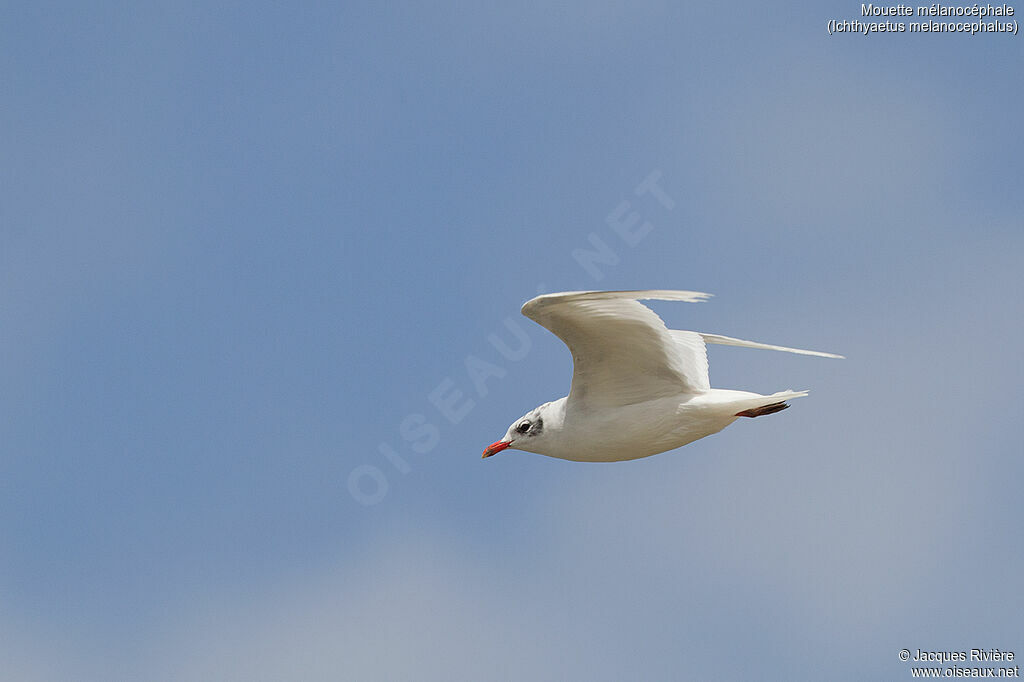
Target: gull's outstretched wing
{"type": "Point", "coordinates": [729, 341]}
{"type": "Point", "coordinates": [622, 352]}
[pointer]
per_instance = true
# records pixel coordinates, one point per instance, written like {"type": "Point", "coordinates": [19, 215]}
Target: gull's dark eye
{"type": "Point", "coordinates": [523, 427]}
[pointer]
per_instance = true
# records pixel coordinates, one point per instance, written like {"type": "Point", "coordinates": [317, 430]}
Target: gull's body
{"type": "Point", "coordinates": [638, 388]}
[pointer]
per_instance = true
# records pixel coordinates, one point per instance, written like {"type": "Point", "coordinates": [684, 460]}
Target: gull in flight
{"type": "Point", "coordinates": [638, 388]}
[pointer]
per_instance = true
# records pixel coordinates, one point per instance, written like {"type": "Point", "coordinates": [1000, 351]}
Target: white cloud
{"type": "Point", "coordinates": [411, 608]}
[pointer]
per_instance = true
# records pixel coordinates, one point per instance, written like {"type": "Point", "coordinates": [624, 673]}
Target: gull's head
{"type": "Point", "coordinates": [529, 432]}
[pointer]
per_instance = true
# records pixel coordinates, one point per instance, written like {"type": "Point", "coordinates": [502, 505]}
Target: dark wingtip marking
{"type": "Point", "coordinates": [763, 410]}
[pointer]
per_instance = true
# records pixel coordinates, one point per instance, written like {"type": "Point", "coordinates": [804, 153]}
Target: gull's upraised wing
{"type": "Point", "coordinates": [622, 352]}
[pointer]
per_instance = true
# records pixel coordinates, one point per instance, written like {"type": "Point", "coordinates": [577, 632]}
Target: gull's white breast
{"type": "Point", "coordinates": [643, 429]}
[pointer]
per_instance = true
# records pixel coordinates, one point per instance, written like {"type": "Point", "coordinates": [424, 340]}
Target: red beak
{"type": "Point", "coordinates": [495, 448]}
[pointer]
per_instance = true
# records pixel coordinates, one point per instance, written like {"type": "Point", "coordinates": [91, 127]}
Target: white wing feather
{"type": "Point", "coordinates": [622, 351]}
{"type": "Point", "coordinates": [729, 341]}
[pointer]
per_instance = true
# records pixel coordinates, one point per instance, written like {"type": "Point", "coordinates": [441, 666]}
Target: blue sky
{"type": "Point", "coordinates": [242, 244]}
